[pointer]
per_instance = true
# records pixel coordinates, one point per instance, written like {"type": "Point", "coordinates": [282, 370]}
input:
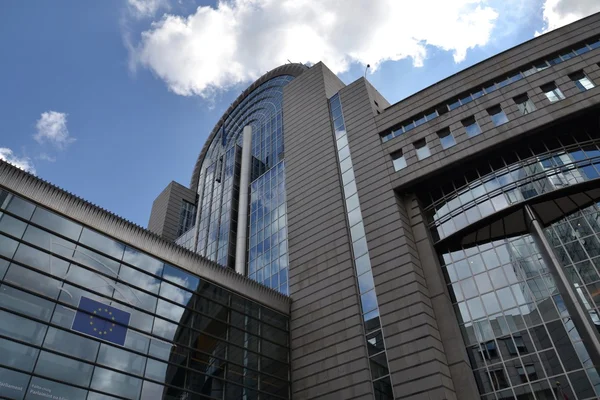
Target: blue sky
{"type": "Point", "coordinates": [111, 100]}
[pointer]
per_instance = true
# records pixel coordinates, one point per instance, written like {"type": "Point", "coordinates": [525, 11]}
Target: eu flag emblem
{"type": "Point", "coordinates": [101, 321]}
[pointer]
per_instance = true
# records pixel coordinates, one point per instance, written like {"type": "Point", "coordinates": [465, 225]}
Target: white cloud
{"type": "Point", "coordinates": [46, 157]}
{"type": "Point", "coordinates": [146, 8]}
{"type": "Point", "coordinates": [23, 163]}
{"type": "Point", "coordinates": [559, 13]}
{"type": "Point", "coordinates": [52, 128]}
{"type": "Point", "coordinates": [240, 40]}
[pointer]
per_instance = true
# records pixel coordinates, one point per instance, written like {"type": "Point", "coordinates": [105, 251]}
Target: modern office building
{"type": "Point", "coordinates": [332, 245]}
{"type": "Point", "coordinates": [443, 247]}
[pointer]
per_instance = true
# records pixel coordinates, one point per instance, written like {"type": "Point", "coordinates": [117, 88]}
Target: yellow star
{"type": "Point", "coordinates": [106, 310]}
{"type": "Point", "coordinates": [113, 318]}
{"type": "Point", "coordinates": [110, 313]}
{"type": "Point", "coordinates": [91, 317]}
{"type": "Point", "coordinates": [99, 308]}
{"type": "Point", "coordinates": [111, 329]}
{"type": "Point", "coordinates": [91, 323]}
{"type": "Point", "coordinates": [95, 329]}
{"type": "Point", "coordinates": [94, 312]}
{"type": "Point", "coordinates": [113, 324]}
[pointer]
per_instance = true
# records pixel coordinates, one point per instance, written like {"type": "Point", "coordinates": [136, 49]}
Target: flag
{"type": "Point", "coordinates": [101, 321]}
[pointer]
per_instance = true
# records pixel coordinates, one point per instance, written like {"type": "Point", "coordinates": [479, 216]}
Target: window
{"type": "Point", "coordinates": [518, 346]}
{"type": "Point", "coordinates": [524, 104]}
{"type": "Point", "coordinates": [582, 82]}
{"type": "Point", "coordinates": [552, 92]}
{"type": "Point", "coordinates": [446, 138]}
{"type": "Point", "coordinates": [422, 149]}
{"type": "Point", "coordinates": [527, 372]}
{"type": "Point", "coordinates": [541, 65]}
{"type": "Point", "coordinates": [498, 115]}
{"type": "Point", "coordinates": [398, 160]}
{"type": "Point", "coordinates": [454, 104]}
{"type": "Point", "coordinates": [471, 126]}
{"type": "Point", "coordinates": [498, 379]}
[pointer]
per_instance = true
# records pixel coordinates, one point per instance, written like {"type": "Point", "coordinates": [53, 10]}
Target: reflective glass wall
{"type": "Point", "coordinates": [83, 316]}
{"type": "Point", "coordinates": [520, 337]}
{"type": "Point", "coordinates": [218, 188]}
{"type": "Point", "coordinates": [511, 177]}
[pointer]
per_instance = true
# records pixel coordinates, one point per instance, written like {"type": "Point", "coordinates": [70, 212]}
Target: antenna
{"type": "Point", "coordinates": [368, 66]}
{"type": "Point", "coordinates": [289, 61]}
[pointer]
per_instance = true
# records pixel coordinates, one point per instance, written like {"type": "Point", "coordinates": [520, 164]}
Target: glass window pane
{"type": "Point", "coordinates": [365, 282]}
{"type": "Point", "coordinates": [357, 231]}
{"type": "Point", "coordinates": [350, 189]}
{"type": "Point", "coordinates": [399, 162]}
{"type": "Point", "coordinates": [56, 223]}
{"type": "Point", "coordinates": [19, 207]}
{"type": "Point", "coordinates": [3, 267]}
{"type": "Point", "coordinates": [360, 247]}
{"type": "Point", "coordinates": [71, 344]}
{"type": "Point", "coordinates": [344, 153]}
{"type": "Point", "coordinates": [102, 243]}
{"type": "Point", "coordinates": [342, 141]}
{"type": "Point", "coordinates": [363, 264]}
{"type": "Point", "coordinates": [368, 301]}
{"type": "Point", "coordinates": [354, 217]}
{"type": "Point", "coordinates": [33, 281]}
{"type": "Point", "coordinates": [16, 384]}
{"type": "Point", "coordinates": [375, 343]}
{"type": "Point", "coordinates": [63, 369]}
{"type": "Point", "coordinates": [151, 391]}
{"type": "Point", "coordinates": [352, 202]}
{"type": "Point", "coordinates": [378, 366]}
{"type": "Point", "coordinates": [25, 303]}
{"type": "Point", "coordinates": [40, 388]}
{"type": "Point", "coordinates": [116, 383]}
{"type": "Point", "coordinates": [11, 225]}
{"type": "Point", "coordinates": [348, 176]}
{"type": "Point", "coordinates": [121, 359]}
{"type": "Point", "coordinates": [7, 246]}
{"type": "Point", "coordinates": [143, 261]}
{"type": "Point", "coordinates": [17, 355]}
{"type": "Point", "coordinates": [180, 277]}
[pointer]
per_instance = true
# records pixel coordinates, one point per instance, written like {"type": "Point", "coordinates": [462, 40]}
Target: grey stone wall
{"type": "Point", "coordinates": [164, 217]}
{"type": "Point", "coordinates": [416, 343]}
{"type": "Point", "coordinates": [328, 352]}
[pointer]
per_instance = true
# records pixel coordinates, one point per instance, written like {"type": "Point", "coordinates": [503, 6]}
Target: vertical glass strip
{"type": "Point", "coordinates": [378, 363]}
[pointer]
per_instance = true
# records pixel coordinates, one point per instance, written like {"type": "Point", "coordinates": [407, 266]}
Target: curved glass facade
{"type": "Point", "coordinates": [511, 178]}
{"type": "Point", "coordinates": [517, 291]}
{"type": "Point", "coordinates": [83, 316]}
{"type": "Point", "coordinates": [218, 188]}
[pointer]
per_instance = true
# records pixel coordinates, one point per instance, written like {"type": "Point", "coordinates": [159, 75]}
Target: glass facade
{"type": "Point", "coordinates": [218, 188]}
{"type": "Point", "coordinates": [176, 336]}
{"type": "Point", "coordinates": [516, 291]}
{"type": "Point", "coordinates": [378, 363]}
{"type": "Point", "coordinates": [514, 320]}
{"type": "Point", "coordinates": [268, 258]}
{"type": "Point", "coordinates": [512, 177]}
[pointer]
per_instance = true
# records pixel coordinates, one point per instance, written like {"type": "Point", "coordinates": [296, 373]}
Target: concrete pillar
{"type": "Point", "coordinates": [242, 225]}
